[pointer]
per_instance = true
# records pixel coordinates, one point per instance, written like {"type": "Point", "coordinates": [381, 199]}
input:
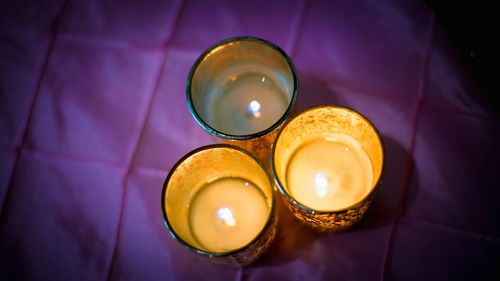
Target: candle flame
{"type": "Point", "coordinates": [254, 108]}
{"type": "Point", "coordinates": [226, 215]}
{"type": "Point", "coordinates": [321, 182]}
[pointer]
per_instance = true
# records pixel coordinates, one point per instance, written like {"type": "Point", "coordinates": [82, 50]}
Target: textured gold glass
{"type": "Point", "coordinates": [195, 177]}
{"type": "Point", "coordinates": [326, 122]}
{"type": "Point", "coordinates": [241, 90]}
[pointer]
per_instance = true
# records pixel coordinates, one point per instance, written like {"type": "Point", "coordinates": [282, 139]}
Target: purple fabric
{"type": "Point", "coordinates": [93, 115]}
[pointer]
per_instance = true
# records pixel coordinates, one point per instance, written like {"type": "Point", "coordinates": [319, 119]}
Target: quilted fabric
{"type": "Point", "coordinates": [93, 116]}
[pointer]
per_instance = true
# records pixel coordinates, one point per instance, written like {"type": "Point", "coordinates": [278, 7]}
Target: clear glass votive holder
{"type": "Point", "coordinates": [241, 90]}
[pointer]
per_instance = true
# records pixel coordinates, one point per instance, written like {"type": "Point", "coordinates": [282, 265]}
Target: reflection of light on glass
{"type": "Point", "coordinates": [254, 108]}
{"type": "Point", "coordinates": [226, 215]}
{"type": "Point", "coordinates": [321, 183]}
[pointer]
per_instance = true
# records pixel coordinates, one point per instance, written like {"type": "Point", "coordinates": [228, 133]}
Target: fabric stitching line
{"type": "Point", "coordinates": [109, 274]}
{"type": "Point", "coordinates": [19, 149]}
{"type": "Point", "coordinates": [409, 164]}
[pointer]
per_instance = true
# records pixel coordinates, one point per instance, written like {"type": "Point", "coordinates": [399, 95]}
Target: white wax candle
{"type": "Point", "coordinates": [227, 214]}
{"type": "Point", "coordinates": [246, 99]}
{"type": "Point", "coordinates": [329, 173]}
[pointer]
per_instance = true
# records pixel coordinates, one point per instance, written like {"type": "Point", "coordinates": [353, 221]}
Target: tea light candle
{"type": "Point", "coordinates": [220, 202]}
{"type": "Point", "coordinates": [227, 214]}
{"type": "Point", "coordinates": [242, 90]}
{"type": "Point", "coordinates": [327, 162]}
{"type": "Point", "coordinates": [329, 173]}
{"type": "Point", "coordinates": [246, 99]}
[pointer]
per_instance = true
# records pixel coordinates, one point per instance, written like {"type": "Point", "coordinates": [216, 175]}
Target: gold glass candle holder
{"type": "Point", "coordinates": [327, 162]}
{"type": "Point", "coordinates": [219, 202]}
{"type": "Point", "coordinates": [241, 90]}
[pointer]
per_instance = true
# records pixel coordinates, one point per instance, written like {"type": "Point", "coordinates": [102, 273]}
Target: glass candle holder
{"type": "Point", "coordinates": [219, 202]}
{"type": "Point", "coordinates": [241, 90]}
{"type": "Point", "coordinates": [327, 162]}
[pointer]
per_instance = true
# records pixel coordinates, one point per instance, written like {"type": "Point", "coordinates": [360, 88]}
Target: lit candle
{"type": "Point", "coordinates": [241, 91]}
{"type": "Point", "coordinates": [227, 214]}
{"type": "Point", "coordinates": [329, 173]}
{"type": "Point", "coordinates": [245, 99]}
{"type": "Point", "coordinates": [219, 201]}
{"type": "Point", "coordinates": [327, 161]}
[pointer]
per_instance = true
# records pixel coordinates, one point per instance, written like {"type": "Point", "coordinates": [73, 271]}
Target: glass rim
{"type": "Point", "coordinates": [303, 207]}
{"type": "Point", "coordinates": [178, 238]}
{"type": "Point", "coordinates": [258, 134]}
